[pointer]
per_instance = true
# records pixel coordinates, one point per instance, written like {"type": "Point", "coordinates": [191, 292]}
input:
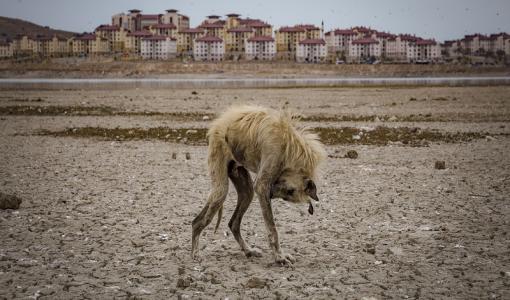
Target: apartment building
{"type": "Point", "coordinates": [209, 48]}
{"type": "Point", "coordinates": [169, 30]}
{"type": "Point", "coordinates": [236, 38]}
{"type": "Point", "coordinates": [186, 39]}
{"type": "Point", "coordinates": [260, 28]}
{"type": "Point", "coordinates": [260, 48]}
{"type": "Point", "coordinates": [22, 45]}
{"type": "Point", "coordinates": [134, 41]}
{"type": "Point", "coordinates": [424, 51]}
{"type": "Point", "coordinates": [6, 49]}
{"type": "Point", "coordinates": [158, 47]}
{"type": "Point", "coordinates": [288, 38]}
{"type": "Point", "coordinates": [116, 36]}
{"type": "Point", "coordinates": [172, 16]}
{"type": "Point", "coordinates": [364, 49]}
{"type": "Point", "coordinates": [338, 41]}
{"type": "Point", "coordinates": [89, 44]}
{"type": "Point", "coordinates": [312, 51]}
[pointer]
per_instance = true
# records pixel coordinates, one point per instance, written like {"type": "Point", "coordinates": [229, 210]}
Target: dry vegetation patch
{"type": "Point", "coordinates": [380, 135]}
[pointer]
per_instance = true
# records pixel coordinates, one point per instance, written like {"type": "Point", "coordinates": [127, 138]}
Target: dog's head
{"type": "Point", "coordinates": [295, 187]}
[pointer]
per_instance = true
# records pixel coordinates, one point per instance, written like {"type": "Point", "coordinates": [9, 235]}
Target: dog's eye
{"type": "Point", "coordinates": [290, 192]}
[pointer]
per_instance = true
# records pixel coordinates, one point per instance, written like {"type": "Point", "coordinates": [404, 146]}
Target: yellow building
{"type": "Point", "coordinates": [169, 30]}
{"type": "Point", "coordinates": [236, 38]}
{"type": "Point", "coordinates": [116, 36]}
{"type": "Point", "coordinates": [288, 38]}
{"type": "Point", "coordinates": [89, 44]}
{"type": "Point", "coordinates": [186, 39]}
{"type": "Point", "coordinates": [22, 45]}
{"type": "Point", "coordinates": [134, 41]}
{"type": "Point", "coordinates": [5, 49]}
{"type": "Point", "coordinates": [216, 29]}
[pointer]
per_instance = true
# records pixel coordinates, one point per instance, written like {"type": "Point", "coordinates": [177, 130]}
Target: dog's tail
{"type": "Point", "coordinates": [220, 214]}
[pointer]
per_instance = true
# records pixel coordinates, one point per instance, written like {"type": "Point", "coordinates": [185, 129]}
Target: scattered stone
{"type": "Point", "coordinates": [205, 118]}
{"type": "Point", "coordinates": [188, 156]}
{"type": "Point", "coordinates": [396, 251]}
{"type": "Point", "coordinates": [183, 283]}
{"type": "Point", "coordinates": [352, 154]}
{"type": "Point", "coordinates": [255, 283]}
{"type": "Point", "coordinates": [214, 280]}
{"type": "Point", "coordinates": [393, 119]}
{"type": "Point", "coordinates": [181, 270]}
{"type": "Point", "coordinates": [194, 93]}
{"type": "Point", "coordinates": [9, 201]}
{"type": "Point", "coordinates": [191, 131]}
{"type": "Point", "coordinates": [174, 155]}
{"type": "Point", "coordinates": [370, 249]}
{"type": "Point", "coordinates": [356, 137]}
{"type": "Point", "coordinates": [440, 165]}
{"type": "Point", "coordinates": [377, 119]}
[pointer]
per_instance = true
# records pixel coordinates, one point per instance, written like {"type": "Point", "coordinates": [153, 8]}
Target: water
{"type": "Point", "coordinates": [247, 82]}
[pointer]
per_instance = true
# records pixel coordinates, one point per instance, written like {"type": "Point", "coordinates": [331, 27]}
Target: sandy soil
{"type": "Point", "coordinates": [109, 219]}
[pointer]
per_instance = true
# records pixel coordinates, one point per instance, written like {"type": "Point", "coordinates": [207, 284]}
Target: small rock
{"type": "Point", "coordinates": [174, 155]}
{"type": "Point", "coordinates": [377, 262]}
{"type": "Point", "coordinates": [352, 154]}
{"type": "Point", "coordinates": [183, 282]}
{"type": "Point", "coordinates": [377, 119]}
{"type": "Point", "coordinates": [205, 118]}
{"type": "Point", "coordinates": [181, 270]}
{"type": "Point", "coordinates": [392, 119]}
{"type": "Point", "coordinates": [9, 201]}
{"type": "Point", "coordinates": [440, 165]}
{"type": "Point", "coordinates": [191, 131]}
{"type": "Point", "coordinates": [194, 93]}
{"type": "Point", "coordinates": [214, 280]}
{"type": "Point", "coordinates": [489, 138]}
{"type": "Point", "coordinates": [188, 156]}
{"type": "Point", "coordinates": [255, 283]}
{"type": "Point", "coordinates": [369, 249]}
{"type": "Point", "coordinates": [356, 137]}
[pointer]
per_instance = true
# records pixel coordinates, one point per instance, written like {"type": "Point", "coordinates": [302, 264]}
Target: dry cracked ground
{"type": "Point", "coordinates": [110, 180]}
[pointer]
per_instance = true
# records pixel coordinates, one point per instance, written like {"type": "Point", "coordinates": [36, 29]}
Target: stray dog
{"type": "Point", "coordinates": [284, 159]}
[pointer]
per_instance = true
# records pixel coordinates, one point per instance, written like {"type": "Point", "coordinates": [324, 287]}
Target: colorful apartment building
{"type": "Point", "coordinates": [288, 38]}
{"type": "Point", "coordinates": [364, 49]}
{"type": "Point", "coordinates": [209, 48]}
{"type": "Point", "coordinates": [158, 47]}
{"type": "Point", "coordinates": [134, 41]}
{"type": "Point", "coordinates": [89, 44]}
{"type": "Point", "coordinates": [169, 30]}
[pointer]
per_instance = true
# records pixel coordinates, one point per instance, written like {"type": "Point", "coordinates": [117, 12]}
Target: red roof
{"type": "Point", "coordinates": [291, 29]}
{"type": "Point", "coordinates": [209, 39]}
{"type": "Point", "coordinates": [158, 38]}
{"type": "Point", "coordinates": [344, 32]}
{"type": "Point", "coordinates": [408, 37]}
{"type": "Point", "coordinates": [163, 26]}
{"type": "Point", "coordinates": [86, 37]}
{"type": "Point", "coordinates": [240, 29]}
{"type": "Point", "coordinates": [212, 25]}
{"type": "Point", "coordinates": [140, 33]}
{"type": "Point", "coordinates": [313, 42]}
{"type": "Point", "coordinates": [108, 28]}
{"type": "Point", "coordinates": [192, 30]}
{"type": "Point", "coordinates": [365, 41]}
{"type": "Point", "coordinates": [150, 17]}
{"type": "Point", "coordinates": [425, 42]}
{"type": "Point", "coordinates": [261, 39]}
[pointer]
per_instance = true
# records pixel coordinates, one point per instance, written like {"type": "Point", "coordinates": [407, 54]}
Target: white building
{"type": "Point", "coordinates": [209, 48]}
{"type": "Point", "coordinates": [312, 51]}
{"type": "Point", "coordinates": [364, 49]}
{"type": "Point", "coordinates": [338, 41]}
{"type": "Point", "coordinates": [260, 48]}
{"type": "Point", "coordinates": [426, 51]}
{"type": "Point", "coordinates": [158, 47]}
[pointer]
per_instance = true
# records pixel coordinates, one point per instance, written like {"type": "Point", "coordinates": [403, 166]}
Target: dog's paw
{"type": "Point", "coordinates": [285, 259]}
{"type": "Point", "coordinates": [252, 252]}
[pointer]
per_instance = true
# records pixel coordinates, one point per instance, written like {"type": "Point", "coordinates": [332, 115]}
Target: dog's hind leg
{"type": "Point", "coordinates": [244, 186]}
{"type": "Point", "coordinates": [218, 194]}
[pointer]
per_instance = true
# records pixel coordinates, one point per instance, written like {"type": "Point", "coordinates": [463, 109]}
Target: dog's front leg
{"type": "Point", "coordinates": [262, 188]}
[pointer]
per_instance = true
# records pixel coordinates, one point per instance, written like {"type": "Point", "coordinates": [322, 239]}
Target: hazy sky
{"type": "Point", "coordinates": [440, 19]}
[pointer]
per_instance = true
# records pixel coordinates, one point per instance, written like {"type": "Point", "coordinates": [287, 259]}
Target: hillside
{"type": "Point", "coordinates": [10, 27]}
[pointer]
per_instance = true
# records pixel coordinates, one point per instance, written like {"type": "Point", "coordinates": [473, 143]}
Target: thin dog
{"type": "Point", "coordinates": [284, 159]}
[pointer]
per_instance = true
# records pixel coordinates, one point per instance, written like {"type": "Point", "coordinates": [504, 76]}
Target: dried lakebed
{"type": "Point", "coordinates": [379, 135]}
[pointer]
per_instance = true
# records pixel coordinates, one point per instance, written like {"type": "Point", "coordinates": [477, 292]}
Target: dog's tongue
{"type": "Point", "coordinates": [310, 208]}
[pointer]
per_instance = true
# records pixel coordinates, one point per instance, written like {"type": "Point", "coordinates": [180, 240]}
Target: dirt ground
{"type": "Point", "coordinates": [106, 218]}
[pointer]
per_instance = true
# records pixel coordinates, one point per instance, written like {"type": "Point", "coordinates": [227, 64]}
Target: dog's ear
{"type": "Point", "coordinates": [311, 189]}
